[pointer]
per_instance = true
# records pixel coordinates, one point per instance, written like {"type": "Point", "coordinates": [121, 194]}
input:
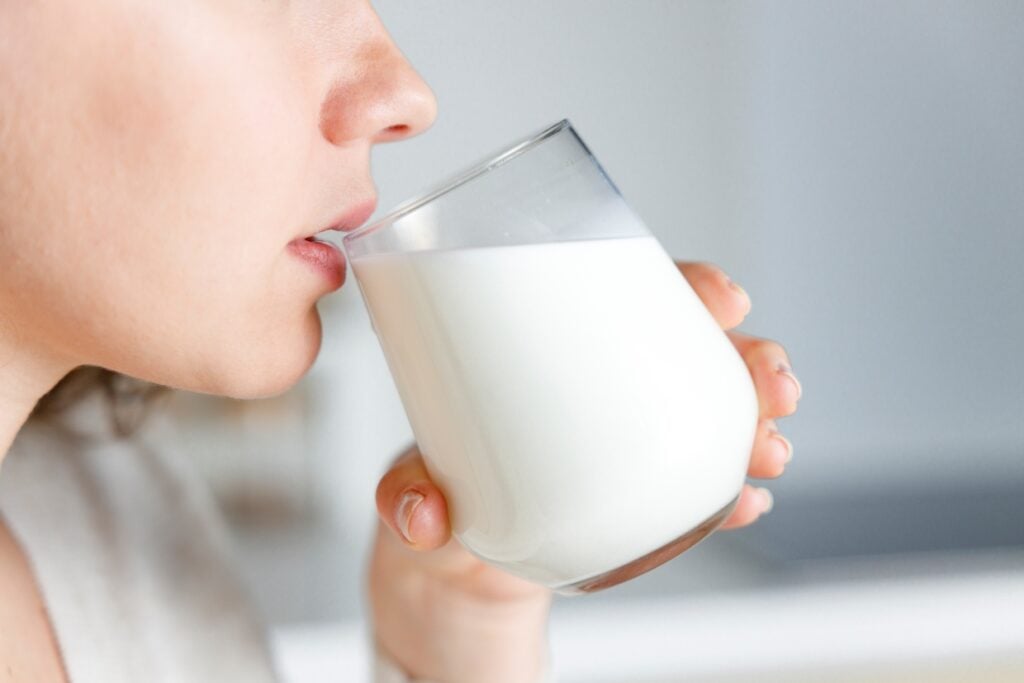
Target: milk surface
{"type": "Point", "coordinates": [575, 400]}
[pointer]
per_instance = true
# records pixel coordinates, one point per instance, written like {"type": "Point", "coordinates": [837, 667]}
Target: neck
{"type": "Point", "coordinates": [25, 375]}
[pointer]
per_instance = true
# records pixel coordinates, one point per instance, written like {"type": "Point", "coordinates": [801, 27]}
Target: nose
{"type": "Point", "coordinates": [379, 98]}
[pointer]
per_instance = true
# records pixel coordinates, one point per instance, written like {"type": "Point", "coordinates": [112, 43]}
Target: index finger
{"type": "Point", "coordinates": [727, 302]}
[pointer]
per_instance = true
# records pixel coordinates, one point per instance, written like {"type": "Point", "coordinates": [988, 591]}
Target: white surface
{"type": "Point", "coordinates": [323, 653]}
{"type": "Point", "coordinates": [898, 623]}
{"type": "Point", "coordinates": [600, 415]}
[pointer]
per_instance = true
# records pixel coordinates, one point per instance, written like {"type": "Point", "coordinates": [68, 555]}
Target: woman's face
{"type": "Point", "coordinates": [160, 162]}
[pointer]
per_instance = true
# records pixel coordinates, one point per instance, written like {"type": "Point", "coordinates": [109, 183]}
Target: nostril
{"type": "Point", "coordinates": [398, 129]}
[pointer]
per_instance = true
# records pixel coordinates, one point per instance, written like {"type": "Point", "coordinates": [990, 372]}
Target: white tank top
{"type": "Point", "coordinates": [130, 556]}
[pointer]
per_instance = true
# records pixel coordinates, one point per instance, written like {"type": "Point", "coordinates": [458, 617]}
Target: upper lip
{"type": "Point", "coordinates": [354, 217]}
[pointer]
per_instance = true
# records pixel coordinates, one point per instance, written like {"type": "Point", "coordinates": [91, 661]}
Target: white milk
{"type": "Point", "coordinates": [576, 401]}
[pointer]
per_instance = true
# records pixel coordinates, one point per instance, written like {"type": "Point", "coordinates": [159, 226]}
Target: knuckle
{"type": "Point", "coordinates": [769, 349]}
{"type": "Point", "coordinates": [712, 272]}
{"type": "Point", "coordinates": [700, 271]}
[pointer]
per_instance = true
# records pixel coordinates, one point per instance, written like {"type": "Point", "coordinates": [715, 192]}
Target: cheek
{"type": "Point", "coordinates": [184, 167]}
{"type": "Point", "coordinates": [203, 137]}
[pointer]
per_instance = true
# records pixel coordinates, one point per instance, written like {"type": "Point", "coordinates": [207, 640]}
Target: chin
{"type": "Point", "coordinates": [270, 369]}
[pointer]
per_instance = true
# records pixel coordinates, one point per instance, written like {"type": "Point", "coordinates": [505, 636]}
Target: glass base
{"type": "Point", "coordinates": [652, 559]}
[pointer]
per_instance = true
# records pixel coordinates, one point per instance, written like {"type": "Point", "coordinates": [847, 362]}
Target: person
{"type": "Point", "coordinates": [161, 167]}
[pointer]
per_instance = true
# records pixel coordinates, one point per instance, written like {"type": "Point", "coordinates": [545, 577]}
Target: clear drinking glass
{"type": "Point", "coordinates": [583, 413]}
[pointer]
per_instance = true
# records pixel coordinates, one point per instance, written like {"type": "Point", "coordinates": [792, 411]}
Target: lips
{"type": "Point", "coordinates": [348, 220]}
{"type": "Point", "coordinates": [354, 217]}
{"type": "Point", "coordinates": [325, 257]}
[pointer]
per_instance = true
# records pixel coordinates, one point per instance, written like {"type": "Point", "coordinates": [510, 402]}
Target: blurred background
{"type": "Point", "coordinates": [859, 168]}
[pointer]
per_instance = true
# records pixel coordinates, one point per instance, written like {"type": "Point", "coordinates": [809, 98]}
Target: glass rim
{"type": "Point", "coordinates": [459, 179]}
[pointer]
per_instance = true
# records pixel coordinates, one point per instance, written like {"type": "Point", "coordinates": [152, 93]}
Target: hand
{"type": "Point", "coordinates": [444, 615]}
{"type": "Point", "coordinates": [778, 389]}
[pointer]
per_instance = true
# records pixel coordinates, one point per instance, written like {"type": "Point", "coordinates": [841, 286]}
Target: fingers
{"type": "Point", "coordinates": [771, 452]}
{"type": "Point", "coordinates": [728, 303]}
{"type": "Point", "coordinates": [411, 505]}
{"type": "Point", "coordinates": [753, 503]}
{"type": "Point", "coordinates": [778, 392]}
{"type": "Point", "coordinates": [778, 389]}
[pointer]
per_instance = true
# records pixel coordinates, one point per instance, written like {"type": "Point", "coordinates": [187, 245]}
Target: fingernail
{"type": "Point", "coordinates": [406, 508]}
{"type": "Point", "coordinates": [787, 444]}
{"type": "Point", "coordinates": [784, 369]}
{"type": "Point", "coordinates": [769, 501]}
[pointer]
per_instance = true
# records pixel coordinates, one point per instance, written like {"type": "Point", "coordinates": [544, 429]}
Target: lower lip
{"type": "Point", "coordinates": [323, 257]}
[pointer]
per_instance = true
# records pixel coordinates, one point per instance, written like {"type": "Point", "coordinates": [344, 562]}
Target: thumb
{"type": "Point", "coordinates": [411, 505]}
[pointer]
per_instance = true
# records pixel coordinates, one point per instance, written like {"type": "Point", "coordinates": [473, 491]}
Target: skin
{"type": "Point", "coordinates": [156, 160]}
